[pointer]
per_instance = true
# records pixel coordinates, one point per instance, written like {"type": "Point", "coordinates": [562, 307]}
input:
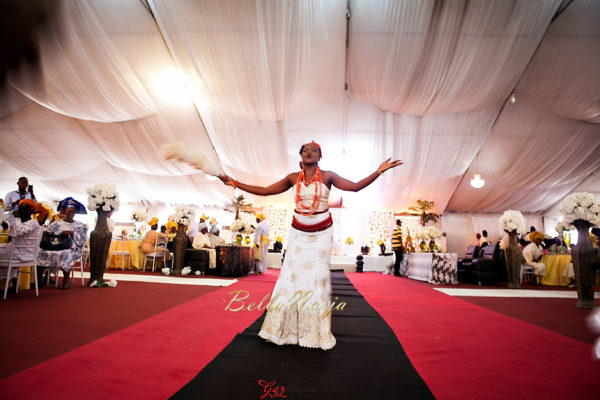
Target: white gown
{"type": "Point", "coordinates": [304, 275]}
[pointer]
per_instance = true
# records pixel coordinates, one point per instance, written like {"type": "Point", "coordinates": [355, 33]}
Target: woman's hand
{"type": "Point", "coordinates": [227, 180]}
{"type": "Point", "coordinates": [387, 164]}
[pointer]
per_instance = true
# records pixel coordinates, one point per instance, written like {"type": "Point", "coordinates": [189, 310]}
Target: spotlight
{"type": "Point", "coordinates": [477, 182]}
{"type": "Point", "coordinates": [512, 98]}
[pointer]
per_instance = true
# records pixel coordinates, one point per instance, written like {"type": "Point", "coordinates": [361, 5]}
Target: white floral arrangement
{"type": "Point", "coordinates": [166, 271]}
{"type": "Point", "coordinates": [139, 215]}
{"type": "Point", "coordinates": [238, 226]}
{"type": "Point", "coordinates": [561, 227]}
{"type": "Point", "coordinates": [184, 215]}
{"type": "Point", "coordinates": [181, 152]}
{"type": "Point", "coordinates": [581, 206]}
{"type": "Point", "coordinates": [186, 271]}
{"type": "Point", "coordinates": [249, 229]}
{"type": "Point", "coordinates": [512, 220]}
{"type": "Point", "coordinates": [198, 273]}
{"type": "Point", "coordinates": [433, 233]}
{"type": "Point", "coordinates": [111, 283]}
{"type": "Point", "coordinates": [103, 196]}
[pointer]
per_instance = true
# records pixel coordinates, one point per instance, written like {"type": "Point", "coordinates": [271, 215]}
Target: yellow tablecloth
{"type": "Point", "coordinates": [133, 246]}
{"type": "Point", "coordinates": [556, 264]}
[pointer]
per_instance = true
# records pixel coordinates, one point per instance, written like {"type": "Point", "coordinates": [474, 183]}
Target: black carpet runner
{"type": "Point", "coordinates": [367, 362]}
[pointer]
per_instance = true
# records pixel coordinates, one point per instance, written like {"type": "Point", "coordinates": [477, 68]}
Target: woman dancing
{"type": "Point", "coordinates": [305, 279]}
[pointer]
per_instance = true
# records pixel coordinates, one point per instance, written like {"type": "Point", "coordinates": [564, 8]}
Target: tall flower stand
{"type": "Point", "coordinates": [99, 246]}
{"type": "Point", "coordinates": [584, 257]}
{"type": "Point", "coordinates": [179, 245]}
{"type": "Point", "coordinates": [513, 261]}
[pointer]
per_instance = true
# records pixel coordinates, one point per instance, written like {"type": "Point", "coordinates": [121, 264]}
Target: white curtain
{"type": "Point", "coordinates": [261, 60]}
{"type": "Point", "coordinates": [442, 57]}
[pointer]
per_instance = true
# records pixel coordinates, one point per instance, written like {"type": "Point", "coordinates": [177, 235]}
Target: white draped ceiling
{"type": "Point", "coordinates": [248, 81]}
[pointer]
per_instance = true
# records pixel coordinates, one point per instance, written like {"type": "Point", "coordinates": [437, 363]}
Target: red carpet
{"type": "Point", "coordinates": [84, 314]}
{"type": "Point", "coordinates": [463, 351]}
{"type": "Point", "coordinates": [149, 360]}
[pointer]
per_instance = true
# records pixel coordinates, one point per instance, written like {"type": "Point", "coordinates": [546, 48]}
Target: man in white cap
{"type": "Point", "coordinates": [213, 234]}
{"type": "Point", "coordinates": [261, 239]}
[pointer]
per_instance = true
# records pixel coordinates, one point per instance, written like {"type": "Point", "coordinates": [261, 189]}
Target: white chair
{"type": "Point", "coordinates": [160, 241]}
{"type": "Point", "coordinates": [120, 250]}
{"type": "Point", "coordinates": [527, 272]}
{"type": "Point", "coordinates": [85, 258]}
{"type": "Point", "coordinates": [28, 245]}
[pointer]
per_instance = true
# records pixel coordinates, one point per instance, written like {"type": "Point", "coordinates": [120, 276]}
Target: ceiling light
{"type": "Point", "coordinates": [477, 182]}
{"type": "Point", "coordinates": [512, 98]}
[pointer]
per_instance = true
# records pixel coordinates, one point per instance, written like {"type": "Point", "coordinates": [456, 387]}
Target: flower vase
{"type": "Point", "coordinates": [99, 247]}
{"type": "Point", "coordinates": [431, 246]}
{"type": "Point", "coordinates": [238, 240]}
{"type": "Point", "coordinates": [179, 245]}
{"type": "Point", "coordinates": [423, 246]}
{"type": "Point", "coordinates": [584, 255]}
{"type": "Point", "coordinates": [513, 261]}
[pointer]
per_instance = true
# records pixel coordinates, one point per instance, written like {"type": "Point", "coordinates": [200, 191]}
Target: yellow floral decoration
{"type": "Point", "coordinates": [349, 240]}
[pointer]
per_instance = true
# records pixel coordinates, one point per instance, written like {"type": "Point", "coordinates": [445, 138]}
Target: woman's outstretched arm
{"type": "Point", "coordinates": [345, 184]}
{"type": "Point", "coordinates": [276, 188]}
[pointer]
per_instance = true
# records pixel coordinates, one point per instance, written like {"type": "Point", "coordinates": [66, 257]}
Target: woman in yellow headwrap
{"type": "Point", "coordinates": [151, 238]}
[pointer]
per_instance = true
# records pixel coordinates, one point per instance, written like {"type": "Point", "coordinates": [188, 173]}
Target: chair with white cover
{"type": "Point", "coordinates": [160, 241]}
{"type": "Point", "coordinates": [528, 273]}
{"type": "Point", "coordinates": [85, 258]}
{"type": "Point", "coordinates": [21, 245]}
{"type": "Point", "coordinates": [120, 249]}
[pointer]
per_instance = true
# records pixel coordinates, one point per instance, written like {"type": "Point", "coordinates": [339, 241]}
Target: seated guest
{"type": "Point", "coordinates": [24, 191]}
{"type": "Point", "coordinates": [202, 241]}
{"type": "Point", "coordinates": [202, 223]}
{"type": "Point", "coordinates": [213, 235]}
{"type": "Point", "coordinates": [20, 224]}
{"type": "Point", "coordinates": [171, 230]}
{"type": "Point", "coordinates": [150, 239]}
{"type": "Point", "coordinates": [484, 239]}
{"type": "Point", "coordinates": [532, 253]}
{"type": "Point", "coordinates": [163, 229]}
{"type": "Point", "coordinates": [76, 230]}
{"type": "Point", "coordinates": [22, 227]}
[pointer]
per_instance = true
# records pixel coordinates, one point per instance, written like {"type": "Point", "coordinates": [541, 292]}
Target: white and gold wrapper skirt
{"type": "Point", "coordinates": [297, 313]}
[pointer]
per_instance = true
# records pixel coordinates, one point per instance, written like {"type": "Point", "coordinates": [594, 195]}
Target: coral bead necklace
{"type": "Point", "coordinates": [301, 208]}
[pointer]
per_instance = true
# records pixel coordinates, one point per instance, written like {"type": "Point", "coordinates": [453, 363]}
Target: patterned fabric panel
{"type": "Point", "coordinates": [444, 268]}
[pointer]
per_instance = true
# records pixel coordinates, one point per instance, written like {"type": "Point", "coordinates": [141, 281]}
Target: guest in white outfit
{"type": "Point", "coordinates": [532, 253]}
{"type": "Point", "coordinates": [202, 242]}
{"type": "Point", "coordinates": [214, 233]}
{"type": "Point", "coordinates": [261, 239]}
{"type": "Point", "coordinates": [22, 227]}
